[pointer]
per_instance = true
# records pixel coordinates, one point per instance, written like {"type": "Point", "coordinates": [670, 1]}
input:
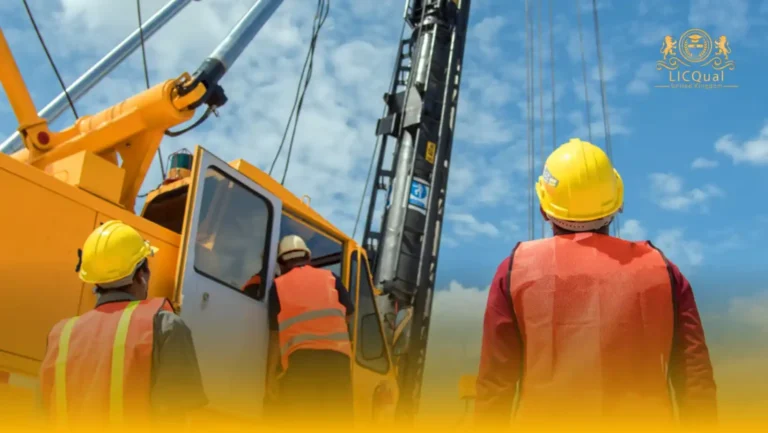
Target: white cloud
{"type": "Point", "coordinates": [751, 310]}
{"type": "Point", "coordinates": [677, 248]}
{"type": "Point", "coordinates": [704, 163]}
{"type": "Point", "coordinates": [754, 151]}
{"type": "Point", "coordinates": [669, 193]}
{"type": "Point", "coordinates": [708, 15]}
{"type": "Point", "coordinates": [486, 33]}
{"type": "Point", "coordinates": [639, 84]}
{"type": "Point", "coordinates": [466, 225]}
{"type": "Point", "coordinates": [632, 230]}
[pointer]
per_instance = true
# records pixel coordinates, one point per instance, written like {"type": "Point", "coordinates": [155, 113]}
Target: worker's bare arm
{"type": "Point", "coordinates": [177, 385]}
{"type": "Point", "coordinates": [500, 359]}
{"type": "Point", "coordinates": [690, 365]}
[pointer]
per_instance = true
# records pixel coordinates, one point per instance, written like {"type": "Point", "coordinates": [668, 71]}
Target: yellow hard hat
{"type": "Point", "coordinates": [112, 252]}
{"type": "Point", "coordinates": [579, 183]}
{"type": "Point", "coordinates": [292, 247]}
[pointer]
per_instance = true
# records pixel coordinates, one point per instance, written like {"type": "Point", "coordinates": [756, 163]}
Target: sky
{"type": "Point", "coordinates": [691, 159]}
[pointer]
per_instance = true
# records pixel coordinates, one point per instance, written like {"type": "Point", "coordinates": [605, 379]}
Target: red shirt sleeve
{"type": "Point", "coordinates": [690, 365]}
{"type": "Point", "coordinates": [501, 354]}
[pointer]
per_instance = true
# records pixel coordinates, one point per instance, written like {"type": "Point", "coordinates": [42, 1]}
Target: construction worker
{"type": "Point", "coordinates": [130, 359]}
{"type": "Point", "coordinates": [309, 311]}
{"type": "Point", "coordinates": [590, 326]}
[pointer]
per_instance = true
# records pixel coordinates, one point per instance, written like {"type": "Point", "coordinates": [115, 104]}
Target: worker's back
{"type": "Point", "coordinates": [595, 315]}
{"type": "Point", "coordinates": [78, 374]}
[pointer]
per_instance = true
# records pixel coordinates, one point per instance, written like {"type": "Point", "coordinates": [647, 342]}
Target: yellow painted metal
{"type": "Point", "coordinates": [91, 173]}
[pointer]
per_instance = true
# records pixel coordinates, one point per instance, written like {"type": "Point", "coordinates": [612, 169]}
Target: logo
{"type": "Point", "coordinates": [696, 61]}
{"type": "Point", "coordinates": [549, 179]}
{"type": "Point", "coordinates": [419, 195]}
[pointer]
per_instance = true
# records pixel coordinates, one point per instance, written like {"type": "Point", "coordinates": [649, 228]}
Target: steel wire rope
{"type": "Point", "coordinates": [606, 122]}
{"type": "Point", "coordinates": [376, 147]}
{"type": "Point", "coordinates": [541, 103]}
{"type": "Point", "coordinates": [323, 8]}
{"type": "Point", "coordinates": [50, 59]}
{"type": "Point", "coordinates": [146, 77]}
{"type": "Point", "coordinates": [584, 69]}
{"type": "Point", "coordinates": [529, 111]}
{"type": "Point", "coordinates": [552, 73]}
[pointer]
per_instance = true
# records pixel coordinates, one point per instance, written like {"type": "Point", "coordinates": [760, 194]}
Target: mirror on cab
{"type": "Point", "coordinates": [371, 348]}
{"type": "Point", "coordinates": [402, 331]}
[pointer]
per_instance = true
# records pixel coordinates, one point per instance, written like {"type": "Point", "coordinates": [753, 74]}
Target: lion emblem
{"type": "Point", "coordinates": [722, 47]}
{"type": "Point", "coordinates": [668, 47]}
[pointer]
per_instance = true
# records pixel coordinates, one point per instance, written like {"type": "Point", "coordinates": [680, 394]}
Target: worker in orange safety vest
{"type": "Point", "coordinates": [253, 287]}
{"type": "Point", "coordinates": [130, 360]}
{"type": "Point", "coordinates": [586, 327]}
{"type": "Point", "coordinates": [310, 311]}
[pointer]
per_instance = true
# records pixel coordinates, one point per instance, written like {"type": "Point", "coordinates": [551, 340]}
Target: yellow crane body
{"type": "Point", "coordinates": [216, 224]}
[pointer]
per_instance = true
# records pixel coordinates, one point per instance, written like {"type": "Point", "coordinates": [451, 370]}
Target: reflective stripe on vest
{"type": "Point", "coordinates": [74, 374]}
{"type": "Point", "coordinates": [311, 316]}
{"type": "Point", "coordinates": [595, 315]}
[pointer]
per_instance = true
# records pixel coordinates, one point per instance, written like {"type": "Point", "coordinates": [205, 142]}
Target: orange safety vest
{"type": "Point", "coordinates": [311, 316]}
{"type": "Point", "coordinates": [596, 320]}
{"type": "Point", "coordinates": [253, 281]}
{"type": "Point", "coordinates": [97, 367]}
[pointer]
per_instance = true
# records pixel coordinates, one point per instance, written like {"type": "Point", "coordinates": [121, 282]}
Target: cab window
{"type": "Point", "coordinates": [369, 350]}
{"type": "Point", "coordinates": [326, 251]}
{"type": "Point", "coordinates": [232, 234]}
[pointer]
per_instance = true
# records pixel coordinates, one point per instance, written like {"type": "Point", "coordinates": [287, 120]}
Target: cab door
{"type": "Point", "coordinates": [375, 387]}
{"type": "Point", "coordinates": [227, 262]}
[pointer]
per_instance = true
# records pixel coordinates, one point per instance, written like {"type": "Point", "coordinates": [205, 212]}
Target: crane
{"type": "Point", "coordinates": [420, 117]}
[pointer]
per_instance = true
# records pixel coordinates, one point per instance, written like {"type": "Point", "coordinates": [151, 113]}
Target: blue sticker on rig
{"type": "Point", "coordinates": [419, 196]}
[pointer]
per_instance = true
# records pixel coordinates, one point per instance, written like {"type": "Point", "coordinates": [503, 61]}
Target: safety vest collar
{"type": "Point", "coordinates": [114, 296]}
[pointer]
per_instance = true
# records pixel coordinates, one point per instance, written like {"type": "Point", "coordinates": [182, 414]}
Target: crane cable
{"type": "Point", "coordinates": [323, 8]}
{"type": "Point", "coordinates": [531, 101]}
{"type": "Point", "coordinates": [552, 72]}
{"type": "Point", "coordinates": [50, 59]}
{"type": "Point", "coordinates": [529, 111]}
{"type": "Point", "coordinates": [584, 69]}
{"type": "Point", "coordinates": [146, 78]}
{"type": "Point", "coordinates": [606, 122]}
{"type": "Point", "coordinates": [541, 103]}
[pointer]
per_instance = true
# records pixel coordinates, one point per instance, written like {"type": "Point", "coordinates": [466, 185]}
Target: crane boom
{"type": "Point", "coordinates": [421, 113]}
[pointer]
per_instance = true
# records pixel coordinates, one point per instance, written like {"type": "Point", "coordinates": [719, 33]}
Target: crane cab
{"type": "Point", "coordinates": [230, 218]}
{"type": "Point", "coordinates": [217, 225]}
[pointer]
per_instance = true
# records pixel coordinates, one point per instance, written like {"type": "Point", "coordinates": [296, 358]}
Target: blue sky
{"type": "Point", "coordinates": [691, 159]}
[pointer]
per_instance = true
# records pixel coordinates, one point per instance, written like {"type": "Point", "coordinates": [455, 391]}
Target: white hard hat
{"type": "Point", "coordinates": [292, 247]}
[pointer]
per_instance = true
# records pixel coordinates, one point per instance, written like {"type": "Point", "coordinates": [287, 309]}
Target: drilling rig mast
{"type": "Point", "coordinates": [421, 114]}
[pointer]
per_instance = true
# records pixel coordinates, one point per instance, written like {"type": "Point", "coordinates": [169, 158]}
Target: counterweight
{"type": "Point", "coordinates": [421, 113]}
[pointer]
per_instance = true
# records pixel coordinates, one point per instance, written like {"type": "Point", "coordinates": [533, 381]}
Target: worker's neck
{"type": "Point", "coordinates": [557, 231]}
